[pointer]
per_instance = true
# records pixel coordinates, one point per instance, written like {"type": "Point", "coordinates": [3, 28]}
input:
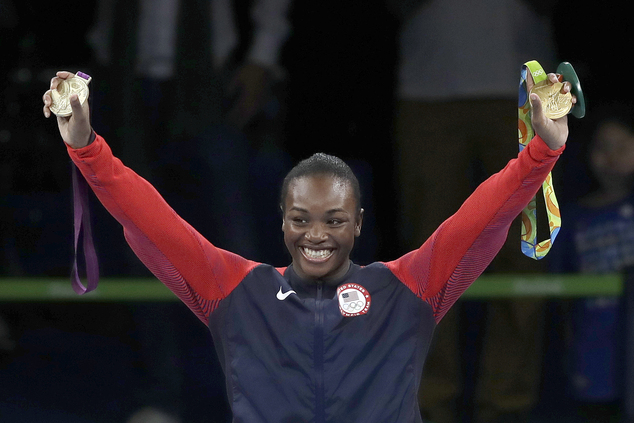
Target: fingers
{"type": "Point", "coordinates": [566, 87]}
{"type": "Point", "coordinates": [65, 74]}
{"type": "Point", "coordinates": [59, 76]}
{"type": "Point", "coordinates": [55, 81]}
{"type": "Point", "coordinates": [553, 78]}
{"type": "Point", "coordinates": [46, 98]}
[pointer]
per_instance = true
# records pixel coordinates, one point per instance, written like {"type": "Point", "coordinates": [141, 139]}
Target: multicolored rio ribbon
{"type": "Point", "coordinates": [530, 246]}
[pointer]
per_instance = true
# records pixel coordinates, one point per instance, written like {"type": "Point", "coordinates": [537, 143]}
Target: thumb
{"type": "Point", "coordinates": [536, 104]}
{"type": "Point", "coordinates": [79, 129]}
{"type": "Point", "coordinates": [80, 111]}
{"type": "Point", "coordinates": [538, 118]}
{"type": "Point", "coordinates": [75, 105]}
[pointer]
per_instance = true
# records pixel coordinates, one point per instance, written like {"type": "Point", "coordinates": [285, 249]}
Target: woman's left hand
{"type": "Point", "coordinates": [553, 132]}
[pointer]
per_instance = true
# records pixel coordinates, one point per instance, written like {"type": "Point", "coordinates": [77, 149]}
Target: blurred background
{"type": "Point", "coordinates": [214, 101]}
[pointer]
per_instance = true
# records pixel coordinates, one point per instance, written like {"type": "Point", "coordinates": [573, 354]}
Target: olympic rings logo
{"type": "Point", "coordinates": [538, 72]}
{"type": "Point", "coordinates": [353, 306]}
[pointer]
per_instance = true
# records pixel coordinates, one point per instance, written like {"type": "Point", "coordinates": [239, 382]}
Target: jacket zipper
{"type": "Point", "coordinates": [320, 415]}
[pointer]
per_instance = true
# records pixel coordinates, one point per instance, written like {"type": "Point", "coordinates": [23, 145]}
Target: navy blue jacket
{"type": "Point", "coordinates": [300, 360]}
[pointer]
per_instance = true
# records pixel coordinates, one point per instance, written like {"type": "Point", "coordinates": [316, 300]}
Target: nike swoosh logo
{"type": "Point", "coordinates": [283, 295]}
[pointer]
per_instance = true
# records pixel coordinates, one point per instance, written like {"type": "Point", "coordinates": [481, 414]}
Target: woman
{"type": "Point", "coordinates": [322, 339]}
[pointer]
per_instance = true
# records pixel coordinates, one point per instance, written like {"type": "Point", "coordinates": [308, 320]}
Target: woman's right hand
{"type": "Point", "coordinates": [74, 129]}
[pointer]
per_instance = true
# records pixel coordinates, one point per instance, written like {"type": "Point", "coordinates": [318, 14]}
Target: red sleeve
{"type": "Point", "coordinates": [199, 273]}
{"type": "Point", "coordinates": [464, 245]}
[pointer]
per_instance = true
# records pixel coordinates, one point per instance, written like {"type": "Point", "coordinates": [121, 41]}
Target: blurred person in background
{"type": "Point", "coordinates": [598, 238]}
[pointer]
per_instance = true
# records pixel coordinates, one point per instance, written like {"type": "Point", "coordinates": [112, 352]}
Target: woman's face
{"type": "Point", "coordinates": [320, 224]}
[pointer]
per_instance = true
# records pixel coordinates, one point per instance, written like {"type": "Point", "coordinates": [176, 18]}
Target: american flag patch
{"type": "Point", "coordinates": [350, 296]}
{"type": "Point", "coordinates": [354, 300]}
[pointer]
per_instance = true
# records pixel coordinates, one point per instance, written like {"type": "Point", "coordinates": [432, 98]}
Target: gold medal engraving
{"type": "Point", "coordinates": [555, 103]}
{"type": "Point", "coordinates": [61, 96]}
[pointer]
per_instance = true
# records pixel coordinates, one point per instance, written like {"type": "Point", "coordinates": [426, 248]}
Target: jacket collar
{"type": "Point", "coordinates": [307, 288]}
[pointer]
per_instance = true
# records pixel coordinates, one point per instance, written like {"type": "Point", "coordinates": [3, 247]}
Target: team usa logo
{"type": "Point", "coordinates": [354, 300]}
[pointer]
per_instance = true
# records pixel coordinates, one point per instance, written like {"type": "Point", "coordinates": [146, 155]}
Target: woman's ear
{"type": "Point", "coordinates": [358, 223]}
{"type": "Point", "coordinates": [282, 214]}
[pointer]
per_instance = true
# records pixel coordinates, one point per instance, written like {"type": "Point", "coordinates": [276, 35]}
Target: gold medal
{"type": "Point", "coordinates": [61, 96]}
{"type": "Point", "coordinates": [555, 104]}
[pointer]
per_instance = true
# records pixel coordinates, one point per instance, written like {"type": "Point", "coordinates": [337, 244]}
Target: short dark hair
{"type": "Point", "coordinates": [322, 164]}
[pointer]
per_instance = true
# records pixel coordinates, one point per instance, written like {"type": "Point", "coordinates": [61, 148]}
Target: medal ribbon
{"type": "Point", "coordinates": [82, 221]}
{"type": "Point", "coordinates": [81, 216]}
{"type": "Point", "coordinates": [529, 244]}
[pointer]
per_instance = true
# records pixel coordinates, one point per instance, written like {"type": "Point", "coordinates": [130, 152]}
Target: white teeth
{"type": "Point", "coordinates": [317, 254]}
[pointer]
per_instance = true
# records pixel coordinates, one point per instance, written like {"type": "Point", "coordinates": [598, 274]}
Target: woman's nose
{"type": "Point", "coordinates": [316, 233]}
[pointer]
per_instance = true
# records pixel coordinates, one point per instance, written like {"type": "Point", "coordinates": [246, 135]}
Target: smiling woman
{"type": "Point", "coordinates": [348, 341]}
{"type": "Point", "coordinates": [322, 217]}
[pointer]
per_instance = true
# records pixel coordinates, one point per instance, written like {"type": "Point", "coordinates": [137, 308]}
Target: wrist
{"type": "Point", "coordinates": [540, 149]}
{"type": "Point", "coordinates": [89, 139]}
{"type": "Point", "coordinates": [92, 137]}
{"type": "Point", "coordinates": [554, 143]}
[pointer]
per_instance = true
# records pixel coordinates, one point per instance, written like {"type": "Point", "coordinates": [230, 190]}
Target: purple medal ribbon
{"type": "Point", "coordinates": [82, 221]}
{"type": "Point", "coordinates": [81, 212]}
